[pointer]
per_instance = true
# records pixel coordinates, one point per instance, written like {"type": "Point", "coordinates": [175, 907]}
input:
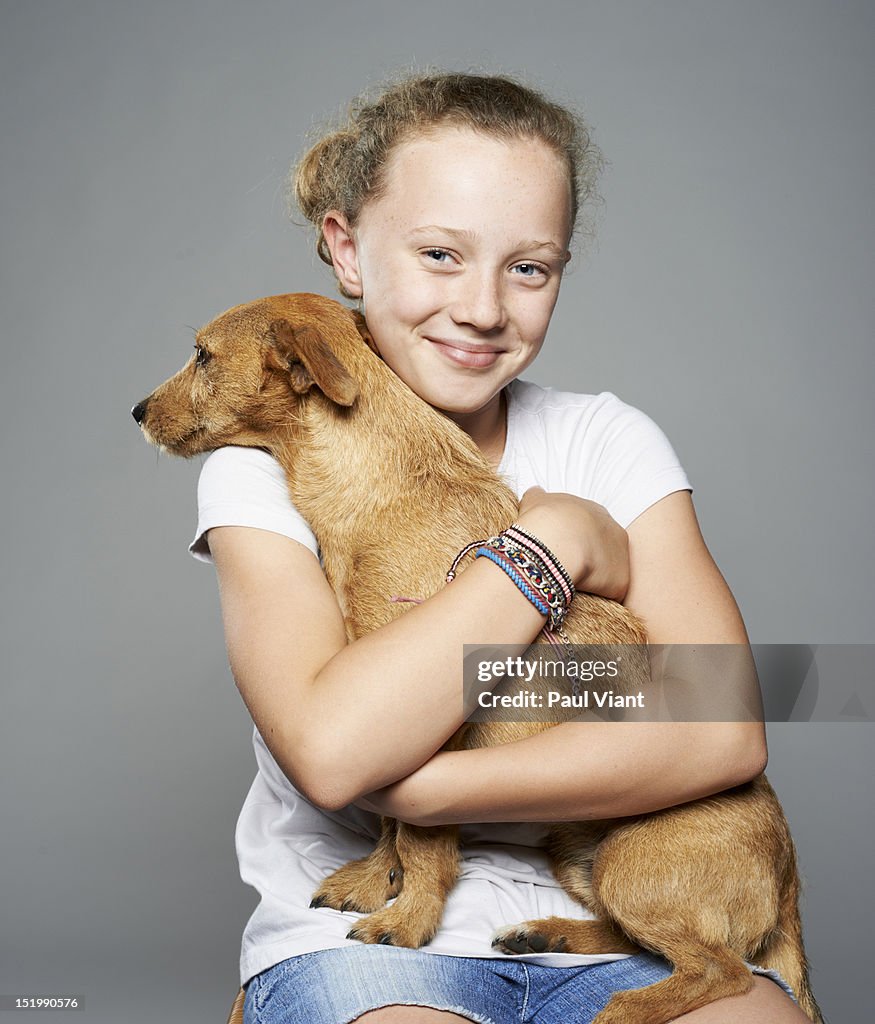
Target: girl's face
{"type": "Point", "coordinates": [459, 263]}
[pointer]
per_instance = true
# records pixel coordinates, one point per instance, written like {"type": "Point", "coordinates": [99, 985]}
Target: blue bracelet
{"type": "Point", "coordinates": [522, 586]}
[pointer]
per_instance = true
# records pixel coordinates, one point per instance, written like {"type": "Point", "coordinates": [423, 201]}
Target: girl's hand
{"type": "Point", "coordinates": [592, 546]}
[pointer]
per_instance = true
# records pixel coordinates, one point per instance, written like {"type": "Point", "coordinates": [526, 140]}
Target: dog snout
{"type": "Point", "coordinates": [139, 410]}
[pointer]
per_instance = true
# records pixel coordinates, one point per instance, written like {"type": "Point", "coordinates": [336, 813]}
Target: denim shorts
{"type": "Point", "coordinates": [335, 986]}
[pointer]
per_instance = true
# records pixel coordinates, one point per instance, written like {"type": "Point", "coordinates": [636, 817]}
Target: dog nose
{"type": "Point", "coordinates": [139, 410]}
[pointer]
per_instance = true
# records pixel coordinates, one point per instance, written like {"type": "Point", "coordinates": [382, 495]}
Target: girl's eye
{"type": "Point", "coordinates": [529, 269]}
{"type": "Point", "coordinates": [438, 255]}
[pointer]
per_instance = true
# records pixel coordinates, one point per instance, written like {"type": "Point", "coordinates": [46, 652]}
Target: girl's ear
{"type": "Point", "coordinates": [344, 253]}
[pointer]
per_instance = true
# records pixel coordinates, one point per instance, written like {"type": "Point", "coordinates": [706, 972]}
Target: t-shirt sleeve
{"type": "Point", "coordinates": [634, 464]}
{"type": "Point", "coordinates": [246, 487]}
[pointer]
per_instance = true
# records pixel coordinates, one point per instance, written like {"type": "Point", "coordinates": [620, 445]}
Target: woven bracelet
{"type": "Point", "coordinates": [537, 575]}
{"type": "Point", "coordinates": [503, 562]}
{"type": "Point", "coordinates": [534, 566]}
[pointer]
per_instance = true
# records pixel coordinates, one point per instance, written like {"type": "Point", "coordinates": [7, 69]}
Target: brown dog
{"type": "Point", "coordinates": [707, 885]}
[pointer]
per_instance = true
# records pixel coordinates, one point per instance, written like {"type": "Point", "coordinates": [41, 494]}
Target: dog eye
{"type": "Point", "coordinates": [202, 357]}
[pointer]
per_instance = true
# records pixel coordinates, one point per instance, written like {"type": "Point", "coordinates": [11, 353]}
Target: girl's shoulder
{"type": "Point", "coordinates": [582, 415]}
{"type": "Point", "coordinates": [241, 486]}
{"type": "Point", "coordinates": [593, 445]}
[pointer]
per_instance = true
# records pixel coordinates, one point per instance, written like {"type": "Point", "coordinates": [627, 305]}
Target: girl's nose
{"type": "Point", "coordinates": [479, 303]}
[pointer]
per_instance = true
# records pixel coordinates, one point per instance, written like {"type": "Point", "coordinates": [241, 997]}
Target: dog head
{"type": "Point", "coordinates": [252, 369]}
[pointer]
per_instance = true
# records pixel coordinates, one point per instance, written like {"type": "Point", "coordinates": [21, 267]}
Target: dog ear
{"type": "Point", "coordinates": [304, 354]}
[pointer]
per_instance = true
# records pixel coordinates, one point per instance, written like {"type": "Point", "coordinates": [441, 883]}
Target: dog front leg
{"type": "Point", "coordinates": [365, 885]}
{"type": "Point", "coordinates": [430, 858]}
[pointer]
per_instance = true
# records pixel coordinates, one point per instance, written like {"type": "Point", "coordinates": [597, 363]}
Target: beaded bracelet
{"type": "Point", "coordinates": [540, 550]}
{"type": "Point", "coordinates": [535, 570]}
{"type": "Point", "coordinates": [537, 575]}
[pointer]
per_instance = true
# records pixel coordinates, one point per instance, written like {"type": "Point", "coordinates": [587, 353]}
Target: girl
{"type": "Point", "coordinates": [446, 207]}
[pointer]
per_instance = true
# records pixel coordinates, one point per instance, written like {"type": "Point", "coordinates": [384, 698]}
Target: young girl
{"type": "Point", "coordinates": [446, 208]}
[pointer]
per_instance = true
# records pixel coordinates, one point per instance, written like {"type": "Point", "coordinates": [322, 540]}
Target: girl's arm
{"type": "Point", "coordinates": [342, 720]}
{"type": "Point", "coordinates": [581, 771]}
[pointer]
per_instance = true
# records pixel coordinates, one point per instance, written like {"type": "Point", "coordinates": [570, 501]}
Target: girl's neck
{"type": "Point", "coordinates": [487, 427]}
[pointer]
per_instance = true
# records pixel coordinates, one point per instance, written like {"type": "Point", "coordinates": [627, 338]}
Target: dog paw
{"type": "Point", "coordinates": [362, 886]}
{"type": "Point", "coordinates": [530, 937]}
{"type": "Point", "coordinates": [393, 928]}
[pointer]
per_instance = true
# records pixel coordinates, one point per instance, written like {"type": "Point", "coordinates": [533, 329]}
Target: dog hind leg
{"type": "Point", "coordinates": [701, 976]}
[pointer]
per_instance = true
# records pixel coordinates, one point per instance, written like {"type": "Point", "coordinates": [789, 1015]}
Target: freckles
{"type": "Point", "coordinates": [414, 299]}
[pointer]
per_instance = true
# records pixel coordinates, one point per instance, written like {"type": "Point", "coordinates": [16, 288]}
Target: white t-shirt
{"type": "Point", "coordinates": [594, 446]}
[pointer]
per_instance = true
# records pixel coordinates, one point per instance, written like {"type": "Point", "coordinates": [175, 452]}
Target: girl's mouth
{"type": "Point", "coordinates": [465, 353]}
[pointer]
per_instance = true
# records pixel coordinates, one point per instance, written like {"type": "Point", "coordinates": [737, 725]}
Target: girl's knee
{"type": "Point", "coordinates": [766, 1003]}
{"type": "Point", "coordinates": [409, 1015]}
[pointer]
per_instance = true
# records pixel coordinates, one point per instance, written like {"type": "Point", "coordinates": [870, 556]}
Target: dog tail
{"type": "Point", "coordinates": [783, 950]}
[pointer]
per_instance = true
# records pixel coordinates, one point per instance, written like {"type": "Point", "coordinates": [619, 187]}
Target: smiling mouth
{"type": "Point", "coordinates": [465, 353]}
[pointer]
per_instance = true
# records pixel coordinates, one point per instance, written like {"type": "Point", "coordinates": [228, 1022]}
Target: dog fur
{"type": "Point", "coordinates": [707, 884]}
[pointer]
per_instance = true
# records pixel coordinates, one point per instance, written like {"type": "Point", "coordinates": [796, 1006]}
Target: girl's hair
{"type": "Point", "coordinates": [347, 166]}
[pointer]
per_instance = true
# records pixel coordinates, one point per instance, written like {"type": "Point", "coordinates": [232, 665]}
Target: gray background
{"type": "Point", "coordinates": [144, 147]}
